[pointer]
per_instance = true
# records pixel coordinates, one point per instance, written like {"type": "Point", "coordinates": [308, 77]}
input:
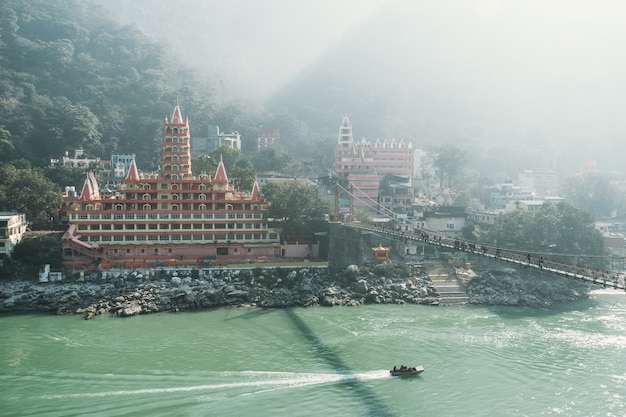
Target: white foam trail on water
{"type": "Point", "coordinates": [286, 380]}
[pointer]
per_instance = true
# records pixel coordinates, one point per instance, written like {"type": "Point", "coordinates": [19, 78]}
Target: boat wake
{"type": "Point", "coordinates": [261, 381]}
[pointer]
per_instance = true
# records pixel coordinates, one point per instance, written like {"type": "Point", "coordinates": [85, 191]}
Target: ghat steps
{"type": "Point", "coordinates": [451, 292]}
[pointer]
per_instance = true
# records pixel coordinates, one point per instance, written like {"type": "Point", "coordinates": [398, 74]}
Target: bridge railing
{"type": "Point", "coordinates": [505, 255]}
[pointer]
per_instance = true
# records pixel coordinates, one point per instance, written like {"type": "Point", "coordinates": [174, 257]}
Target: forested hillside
{"type": "Point", "coordinates": [71, 78]}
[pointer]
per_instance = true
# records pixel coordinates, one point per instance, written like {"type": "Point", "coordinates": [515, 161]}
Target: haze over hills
{"type": "Point", "coordinates": [531, 84]}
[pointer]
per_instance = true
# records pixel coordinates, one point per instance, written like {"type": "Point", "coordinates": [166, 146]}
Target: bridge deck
{"type": "Point", "coordinates": [545, 265]}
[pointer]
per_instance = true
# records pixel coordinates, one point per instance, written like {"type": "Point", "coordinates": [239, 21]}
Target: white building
{"type": "Point", "coordinates": [540, 183]}
{"type": "Point", "coordinates": [12, 229]}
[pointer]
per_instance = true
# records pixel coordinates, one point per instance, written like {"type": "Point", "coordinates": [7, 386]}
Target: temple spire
{"type": "Point", "coordinates": [255, 191]}
{"type": "Point", "coordinates": [220, 173]}
{"type": "Point", "coordinates": [345, 132]}
{"type": "Point", "coordinates": [133, 173]}
{"type": "Point", "coordinates": [177, 116]}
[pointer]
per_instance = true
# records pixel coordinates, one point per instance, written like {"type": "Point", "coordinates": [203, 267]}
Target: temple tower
{"type": "Point", "coordinates": [176, 153]}
{"type": "Point", "coordinates": [345, 133]}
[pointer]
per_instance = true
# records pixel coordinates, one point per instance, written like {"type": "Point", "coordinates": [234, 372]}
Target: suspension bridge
{"type": "Point", "coordinates": [551, 263]}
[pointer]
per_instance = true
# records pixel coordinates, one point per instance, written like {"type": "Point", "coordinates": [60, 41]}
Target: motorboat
{"type": "Point", "coordinates": [406, 371]}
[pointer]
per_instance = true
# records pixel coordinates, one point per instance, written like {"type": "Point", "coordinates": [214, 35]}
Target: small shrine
{"type": "Point", "coordinates": [381, 254]}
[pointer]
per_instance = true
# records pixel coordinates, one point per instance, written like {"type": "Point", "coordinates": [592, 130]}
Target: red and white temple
{"type": "Point", "coordinates": [171, 218]}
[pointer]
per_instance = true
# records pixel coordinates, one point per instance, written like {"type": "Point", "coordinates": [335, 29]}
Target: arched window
{"type": "Point", "coordinates": [202, 186]}
{"type": "Point", "coordinates": [175, 130]}
{"type": "Point", "coordinates": [147, 207]}
{"type": "Point", "coordinates": [145, 196]}
{"type": "Point", "coordinates": [145, 186]}
{"type": "Point", "coordinates": [174, 196]}
{"type": "Point", "coordinates": [174, 186]}
{"type": "Point", "coordinates": [174, 176]}
{"type": "Point", "coordinates": [119, 207]}
{"type": "Point", "coordinates": [229, 206]}
{"type": "Point", "coordinates": [175, 149]}
{"type": "Point", "coordinates": [175, 158]}
{"type": "Point", "coordinates": [202, 197]}
{"type": "Point", "coordinates": [255, 207]}
{"type": "Point", "coordinates": [175, 207]}
{"type": "Point", "coordinates": [175, 168]}
{"type": "Point", "coordinates": [202, 207]}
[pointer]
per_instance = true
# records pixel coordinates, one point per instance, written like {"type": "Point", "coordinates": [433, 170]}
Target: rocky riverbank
{"type": "Point", "coordinates": [134, 293]}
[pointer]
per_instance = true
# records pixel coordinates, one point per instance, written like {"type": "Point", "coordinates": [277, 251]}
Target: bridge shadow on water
{"type": "Point", "coordinates": [371, 402]}
{"type": "Point", "coordinates": [357, 387]}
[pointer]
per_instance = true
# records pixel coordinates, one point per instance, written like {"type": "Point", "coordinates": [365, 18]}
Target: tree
{"type": "Point", "coordinates": [28, 191]}
{"type": "Point", "coordinates": [295, 207]}
{"type": "Point", "coordinates": [449, 162]}
{"type": "Point", "coordinates": [593, 193]}
{"type": "Point", "coordinates": [559, 230]}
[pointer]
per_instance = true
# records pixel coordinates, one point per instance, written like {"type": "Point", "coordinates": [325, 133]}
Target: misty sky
{"type": "Point", "coordinates": [551, 71]}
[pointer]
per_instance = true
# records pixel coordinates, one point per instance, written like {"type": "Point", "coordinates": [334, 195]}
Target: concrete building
{"type": "Point", "coordinates": [502, 195]}
{"type": "Point", "coordinates": [204, 145]}
{"type": "Point", "coordinates": [12, 228]}
{"type": "Point", "coordinates": [541, 183]}
{"type": "Point", "coordinates": [267, 138]}
{"type": "Point", "coordinates": [170, 218]}
{"type": "Point", "coordinates": [79, 160]}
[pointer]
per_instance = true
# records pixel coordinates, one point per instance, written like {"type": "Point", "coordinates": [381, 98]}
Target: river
{"type": "Point", "coordinates": [480, 361]}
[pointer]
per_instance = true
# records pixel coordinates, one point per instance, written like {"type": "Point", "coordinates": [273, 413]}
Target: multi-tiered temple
{"type": "Point", "coordinates": [167, 219]}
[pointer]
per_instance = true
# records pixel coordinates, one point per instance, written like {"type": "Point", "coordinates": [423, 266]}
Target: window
{"type": "Point", "coordinates": [222, 251]}
{"type": "Point", "coordinates": [129, 216]}
{"type": "Point", "coordinates": [94, 217]}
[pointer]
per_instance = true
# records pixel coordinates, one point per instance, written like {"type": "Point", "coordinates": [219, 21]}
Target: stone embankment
{"type": "Point", "coordinates": [278, 288]}
{"type": "Point", "coordinates": [524, 287]}
{"type": "Point", "coordinates": [270, 288]}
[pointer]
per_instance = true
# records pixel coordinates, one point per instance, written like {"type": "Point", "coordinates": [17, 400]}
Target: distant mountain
{"type": "Point", "coordinates": [516, 86]}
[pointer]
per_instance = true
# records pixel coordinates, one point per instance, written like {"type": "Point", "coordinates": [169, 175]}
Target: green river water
{"type": "Point", "coordinates": [480, 361]}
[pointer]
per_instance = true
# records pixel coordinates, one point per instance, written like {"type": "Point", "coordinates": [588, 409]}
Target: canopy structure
{"type": "Point", "coordinates": [381, 253]}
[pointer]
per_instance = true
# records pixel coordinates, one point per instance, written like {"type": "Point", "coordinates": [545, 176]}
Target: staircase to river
{"type": "Point", "coordinates": [451, 292]}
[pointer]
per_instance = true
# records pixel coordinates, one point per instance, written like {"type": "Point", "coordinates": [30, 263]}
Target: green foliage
{"type": "Point", "coordinates": [38, 251]}
{"type": "Point", "coordinates": [449, 162]}
{"type": "Point", "coordinates": [559, 229]}
{"type": "Point", "coordinates": [592, 193]}
{"type": "Point", "coordinates": [384, 269]}
{"type": "Point", "coordinates": [296, 207]}
{"type": "Point", "coordinates": [28, 191]}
